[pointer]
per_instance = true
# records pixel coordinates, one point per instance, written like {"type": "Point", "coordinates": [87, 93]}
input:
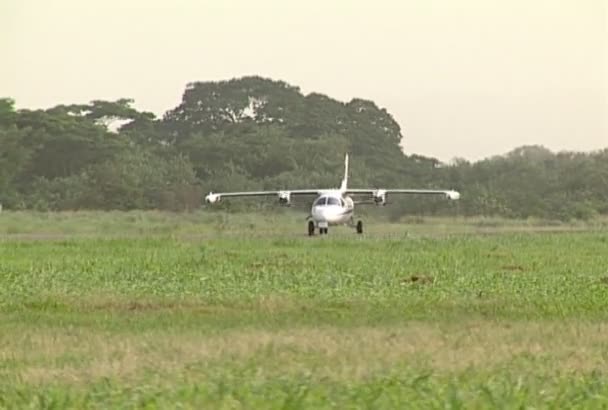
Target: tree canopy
{"type": "Point", "coordinates": [257, 133]}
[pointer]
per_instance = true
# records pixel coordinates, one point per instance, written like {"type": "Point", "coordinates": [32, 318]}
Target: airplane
{"type": "Point", "coordinates": [333, 206]}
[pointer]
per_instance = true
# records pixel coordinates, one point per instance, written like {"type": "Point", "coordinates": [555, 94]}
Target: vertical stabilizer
{"type": "Point", "coordinates": [344, 185]}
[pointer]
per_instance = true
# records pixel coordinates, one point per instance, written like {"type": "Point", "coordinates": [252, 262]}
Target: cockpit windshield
{"type": "Point", "coordinates": [321, 201]}
{"type": "Point", "coordinates": [327, 200]}
{"type": "Point", "coordinates": [333, 201]}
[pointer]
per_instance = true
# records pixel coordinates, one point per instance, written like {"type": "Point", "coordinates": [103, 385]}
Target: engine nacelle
{"type": "Point", "coordinates": [285, 198]}
{"type": "Point", "coordinates": [380, 197]}
{"type": "Point", "coordinates": [212, 198]}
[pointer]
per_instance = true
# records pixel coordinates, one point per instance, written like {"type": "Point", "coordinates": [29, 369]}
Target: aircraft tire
{"type": "Point", "coordinates": [359, 227]}
{"type": "Point", "coordinates": [311, 228]}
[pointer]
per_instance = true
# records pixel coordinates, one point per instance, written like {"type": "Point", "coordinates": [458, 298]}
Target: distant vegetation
{"type": "Point", "coordinates": [255, 133]}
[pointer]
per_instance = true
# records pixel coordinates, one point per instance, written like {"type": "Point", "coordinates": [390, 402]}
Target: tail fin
{"type": "Point", "coordinates": [344, 185]}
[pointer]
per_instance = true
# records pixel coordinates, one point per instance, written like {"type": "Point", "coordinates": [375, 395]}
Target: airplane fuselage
{"type": "Point", "coordinates": [332, 208]}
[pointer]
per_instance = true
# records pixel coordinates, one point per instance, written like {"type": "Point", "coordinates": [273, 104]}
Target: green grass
{"type": "Point", "coordinates": [165, 310]}
{"type": "Point", "coordinates": [206, 224]}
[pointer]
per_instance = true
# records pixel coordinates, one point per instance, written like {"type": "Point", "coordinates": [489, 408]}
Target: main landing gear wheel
{"type": "Point", "coordinates": [322, 231]}
{"type": "Point", "coordinates": [359, 227]}
{"type": "Point", "coordinates": [311, 228]}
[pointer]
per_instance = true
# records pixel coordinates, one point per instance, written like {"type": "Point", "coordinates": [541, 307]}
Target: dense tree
{"type": "Point", "coordinates": [257, 133]}
{"type": "Point", "coordinates": [140, 180]}
{"type": "Point", "coordinates": [237, 106]}
{"type": "Point", "coordinates": [62, 144]}
{"type": "Point", "coordinates": [14, 158]}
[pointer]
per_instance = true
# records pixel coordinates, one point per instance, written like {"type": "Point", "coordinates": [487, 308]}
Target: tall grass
{"type": "Point", "coordinates": [435, 315]}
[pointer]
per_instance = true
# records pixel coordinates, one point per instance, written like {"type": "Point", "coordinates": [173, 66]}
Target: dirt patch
{"type": "Point", "coordinates": [419, 279]}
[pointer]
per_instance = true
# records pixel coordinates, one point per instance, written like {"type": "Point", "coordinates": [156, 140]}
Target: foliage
{"type": "Point", "coordinates": [257, 133]}
{"type": "Point", "coordinates": [140, 180]}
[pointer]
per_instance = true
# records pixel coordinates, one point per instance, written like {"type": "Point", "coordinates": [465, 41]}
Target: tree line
{"type": "Point", "coordinates": [257, 133]}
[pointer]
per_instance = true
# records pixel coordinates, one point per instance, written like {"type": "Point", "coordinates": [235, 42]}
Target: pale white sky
{"type": "Point", "coordinates": [467, 78]}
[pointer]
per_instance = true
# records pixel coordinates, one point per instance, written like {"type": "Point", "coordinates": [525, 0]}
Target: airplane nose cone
{"type": "Point", "coordinates": [327, 214]}
{"type": "Point", "coordinates": [319, 213]}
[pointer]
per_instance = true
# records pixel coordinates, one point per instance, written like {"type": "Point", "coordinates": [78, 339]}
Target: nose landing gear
{"type": "Point", "coordinates": [311, 229]}
{"type": "Point", "coordinates": [324, 231]}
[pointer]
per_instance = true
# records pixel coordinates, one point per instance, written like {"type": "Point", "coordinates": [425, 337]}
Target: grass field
{"type": "Point", "coordinates": [153, 310]}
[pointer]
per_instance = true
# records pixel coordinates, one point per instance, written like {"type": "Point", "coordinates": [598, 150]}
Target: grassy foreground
{"type": "Point", "coordinates": [191, 315]}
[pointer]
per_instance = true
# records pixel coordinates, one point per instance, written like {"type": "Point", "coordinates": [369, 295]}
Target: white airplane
{"type": "Point", "coordinates": [333, 206]}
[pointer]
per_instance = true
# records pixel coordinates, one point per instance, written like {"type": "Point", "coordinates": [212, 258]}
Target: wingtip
{"type": "Point", "coordinates": [453, 195]}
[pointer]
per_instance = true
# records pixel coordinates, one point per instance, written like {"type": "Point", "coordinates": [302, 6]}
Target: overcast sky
{"type": "Point", "coordinates": [466, 78]}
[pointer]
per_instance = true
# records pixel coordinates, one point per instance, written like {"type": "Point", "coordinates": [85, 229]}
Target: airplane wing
{"type": "Point", "coordinates": [284, 196]}
{"type": "Point", "coordinates": [379, 195]}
